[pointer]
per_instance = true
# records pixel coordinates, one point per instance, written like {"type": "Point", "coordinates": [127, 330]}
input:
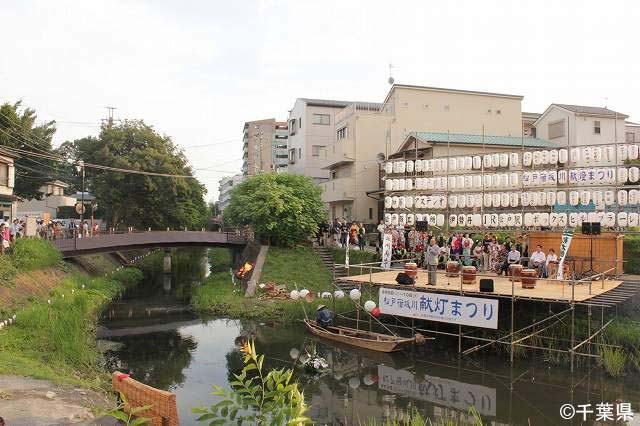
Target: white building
{"type": "Point", "coordinates": [52, 198]}
{"type": "Point", "coordinates": [7, 182]}
{"type": "Point", "coordinates": [225, 187]}
{"type": "Point", "coordinates": [632, 132]}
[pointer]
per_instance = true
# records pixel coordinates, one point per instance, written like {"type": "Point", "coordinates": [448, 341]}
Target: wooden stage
{"type": "Point", "coordinates": [545, 290]}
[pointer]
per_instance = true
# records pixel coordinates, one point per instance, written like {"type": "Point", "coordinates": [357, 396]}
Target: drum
{"type": "Point", "coordinates": [515, 271]}
{"type": "Point", "coordinates": [453, 268]}
{"type": "Point", "coordinates": [552, 270]}
{"type": "Point", "coordinates": [411, 269]}
{"type": "Point", "coordinates": [469, 274]}
{"type": "Point", "coordinates": [529, 278]}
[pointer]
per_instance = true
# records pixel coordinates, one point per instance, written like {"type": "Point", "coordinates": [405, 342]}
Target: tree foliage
{"type": "Point", "coordinates": [18, 129]}
{"type": "Point", "coordinates": [283, 208]}
{"type": "Point", "coordinates": [137, 200]}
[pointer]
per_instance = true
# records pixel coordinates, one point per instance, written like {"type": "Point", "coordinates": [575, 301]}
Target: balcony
{"type": "Point", "coordinates": [364, 108]}
{"type": "Point", "coordinates": [338, 190]}
{"type": "Point", "coordinates": [340, 152]}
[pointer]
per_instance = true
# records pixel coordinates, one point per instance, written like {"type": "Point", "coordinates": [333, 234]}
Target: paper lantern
{"type": "Point", "coordinates": [486, 220]}
{"type": "Point", "coordinates": [582, 217]}
{"type": "Point", "coordinates": [451, 183]}
{"type": "Point", "coordinates": [338, 294]}
{"type": "Point", "coordinates": [537, 158]}
{"type": "Point", "coordinates": [304, 293]}
{"type": "Point", "coordinates": [585, 198]}
{"type": "Point", "coordinates": [453, 166]}
{"type": "Point", "coordinates": [552, 177]}
{"type": "Point", "coordinates": [525, 199]}
{"type": "Point", "coordinates": [609, 198]}
{"type": "Point", "coordinates": [477, 182]}
{"type": "Point", "coordinates": [409, 166]}
{"type": "Point", "coordinates": [504, 160]}
{"type": "Point", "coordinates": [574, 198]}
{"type": "Point", "coordinates": [408, 184]}
{"type": "Point", "coordinates": [634, 174]}
{"type": "Point", "coordinates": [460, 182]}
{"type": "Point", "coordinates": [495, 181]}
{"type": "Point", "coordinates": [355, 294]}
{"type": "Point", "coordinates": [551, 198]}
{"type": "Point", "coordinates": [325, 295]}
{"type": "Point", "coordinates": [442, 183]}
{"type": "Point", "coordinates": [418, 167]}
{"type": "Point", "coordinates": [562, 220]}
{"type": "Point", "coordinates": [633, 152]}
{"type": "Point", "coordinates": [387, 202]}
{"type": "Point", "coordinates": [527, 179]}
{"type": "Point", "coordinates": [553, 157]}
{"type": "Point", "coordinates": [623, 153]}
{"type": "Point", "coordinates": [486, 180]}
{"type": "Point", "coordinates": [511, 220]}
{"type": "Point", "coordinates": [486, 161]}
{"type": "Point", "coordinates": [476, 220]}
{"type": "Point", "coordinates": [513, 159]}
{"type": "Point", "coordinates": [587, 154]}
{"type": "Point", "coordinates": [622, 219]}
{"type": "Point", "coordinates": [294, 295]}
{"type": "Point", "coordinates": [513, 199]}
{"type": "Point", "coordinates": [418, 217]}
{"type": "Point", "coordinates": [494, 220]}
{"type": "Point", "coordinates": [632, 219]}
{"type": "Point", "coordinates": [633, 197]}
{"type": "Point", "coordinates": [469, 200]}
{"type": "Point", "coordinates": [513, 180]}
{"type": "Point", "coordinates": [411, 219]}
{"type": "Point", "coordinates": [504, 199]}
{"type": "Point", "coordinates": [553, 220]}
{"type": "Point", "coordinates": [394, 219]}
{"type": "Point", "coordinates": [541, 198]}
{"type": "Point", "coordinates": [609, 154]}
{"type": "Point", "coordinates": [544, 219]}
{"type": "Point", "coordinates": [574, 155]}
{"type": "Point", "coordinates": [468, 182]}
{"type": "Point", "coordinates": [453, 201]}
{"type": "Point", "coordinates": [562, 176]}
{"type": "Point", "coordinates": [429, 183]}
{"type": "Point", "coordinates": [597, 154]}
{"type": "Point", "coordinates": [502, 220]}
{"type": "Point", "coordinates": [432, 220]}
{"type": "Point", "coordinates": [462, 201]}
{"type": "Point", "coordinates": [563, 156]}
{"type": "Point", "coordinates": [402, 219]}
{"type": "Point", "coordinates": [440, 220]}
{"type": "Point", "coordinates": [460, 163]}
{"type": "Point", "coordinates": [544, 157]}
{"type": "Point", "coordinates": [388, 167]}
{"type": "Point", "coordinates": [401, 167]}
{"type": "Point", "coordinates": [561, 198]}
{"type": "Point", "coordinates": [401, 203]}
{"type": "Point", "coordinates": [401, 184]}
{"type": "Point", "coordinates": [622, 197]}
{"type": "Point", "coordinates": [533, 199]}
{"type": "Point", "coordinates": [443, 164]}
{"type": "Point", "coordinates": [623, 175]}
{"type": "Point", "coordinates": [495, 160]}
{"type": "Point", "coordinates": [495, 200]}
{"type": "Point", "coordinates": [573, 219]}
{"type": "Point", "coordinates": [528, 219]}
{"type": "Point", "coordinates": [609, 220]}
{"type": "Point", "coordinates": [395, 202]}
{"type": "Point", "coordinates": [369, 305]}
{"type": "Point", "coordinates": [395, 184]}
{"type": "Point", "coordinates": [598, 199]}
{"type": "Point", "coordinates": [453, 220]}
{"type": "Point", "coordinates": [477, 200]}
{"type": "Point", "coordinates": [468, 163]}
{"type": "Point", "coordinates": [387, 218]}
{"type": "Point", "coordinates": [486, 200]}
{"type": "Point", "coordinates": [388, 184]}
{"type": "Point", "coordinates": [477, 162]}
{"type": "Point", "coordinates": [408, 202]}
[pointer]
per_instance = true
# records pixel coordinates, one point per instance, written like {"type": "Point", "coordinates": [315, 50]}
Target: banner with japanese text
{"type": "Point", "coordinates": [451, 308]}
{"type": "Point", "coordinates": [387, 241]}
{"type": "Point", "coordinates": [567, 236]}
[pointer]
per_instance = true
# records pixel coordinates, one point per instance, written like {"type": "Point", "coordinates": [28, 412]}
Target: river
{"type": "Point", "coordinates": [160, 342]}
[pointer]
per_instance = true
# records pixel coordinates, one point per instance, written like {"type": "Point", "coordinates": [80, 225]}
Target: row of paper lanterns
{"type": "Point", "coordinates": [505, 220]}
{"type": "Point", "coordinates": [7, 322]}
{"type": "Point", "coordinates": [514, 199]}
{"type": "Point", "coordinates": [588, 154]}
{"type": "Point", "coordinates": [541, 178]}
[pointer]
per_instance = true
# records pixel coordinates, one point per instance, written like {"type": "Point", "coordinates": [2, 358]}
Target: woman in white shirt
{"type": "Point", "coordinates": [552, 258]}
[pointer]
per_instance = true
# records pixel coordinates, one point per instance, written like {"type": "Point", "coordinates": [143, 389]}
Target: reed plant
{"type": "Point", "coordinates": [613, 360]}
{"type": "Point", "coordinates": [416, 419]}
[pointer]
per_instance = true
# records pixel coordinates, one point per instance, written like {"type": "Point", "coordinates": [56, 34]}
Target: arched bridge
{"type": "Point", "coordinates": [105, 243]}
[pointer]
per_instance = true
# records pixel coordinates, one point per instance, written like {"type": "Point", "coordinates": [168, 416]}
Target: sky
{"type": "Point", "coordinates": [197, 70]}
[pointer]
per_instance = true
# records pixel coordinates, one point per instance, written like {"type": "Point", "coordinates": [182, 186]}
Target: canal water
{"type": "Point", "coordinates": [151, 334]}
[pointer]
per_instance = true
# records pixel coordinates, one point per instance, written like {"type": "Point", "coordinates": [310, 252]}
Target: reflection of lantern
{"type": "Point", "coordinates": [355, 294]}
{"type": "Point", "coordinates": [369, 305]}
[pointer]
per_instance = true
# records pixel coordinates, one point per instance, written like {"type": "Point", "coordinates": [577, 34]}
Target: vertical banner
{"type": "Point", "coordinates": [567, 235]}
{"type": "Point", "coordinates": [346, 253]}
{"type": "Point", "coordinates": [386, 250]}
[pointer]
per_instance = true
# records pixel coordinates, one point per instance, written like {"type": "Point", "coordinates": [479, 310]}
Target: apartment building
{"type": "Point", "coordinates": [264, 146]}
{"type": "Point", "coordinates": [631, 132]}
{"type": "Point", "coordinates": [368, 133]}
{"type": "Point", "coordinates": [8, 201]}
{"type": "Point", "coordinates": [225, 186]}
{"type": "Point", "coordinates": [48, 206]}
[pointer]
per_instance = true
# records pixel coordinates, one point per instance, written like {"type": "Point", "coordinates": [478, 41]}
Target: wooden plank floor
{"type": "Point", "coordinates": [545, 289]}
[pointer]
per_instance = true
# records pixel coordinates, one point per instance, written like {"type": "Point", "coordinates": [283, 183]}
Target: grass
{"type": "Point", "coordinates": [355, 256]}
{"type": "Point", "coordinates": [33, 253]}
{"type": "Point", "coordinates": [56, 341]}
{"type": "Point", "coordinates": [613, 360]}
{"type": "Point", "coordinates": [416, 419]}
{"type": "Point", "coordinates": [295, 267]}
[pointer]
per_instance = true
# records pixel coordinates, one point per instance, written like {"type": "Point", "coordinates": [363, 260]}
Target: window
{"type": "Point", "coordinates": [299, 153]}
{"type": "Point", "coordinates": [324, 119]}
{"type": "Point", "coordinates": [630, 137]}
{"type": "Point", "coordinates": [596, 127]}
{"type": "Point", "coordinates": [334, 174]}
{"type": "Point", "coordinates": [292, 156]}
{"type": "Point", "coordinates": [292, 126]}
{"type": "Point", "coordinates": [556, 129]}
{"type": "Point", "coordinates": [343, 133]}
{"type": "Point", "coordinates": [370, 213]}
{"type": "Point", "coordinates": [315, 150]}
{"type": "Point", "coordinates": [4, 174]}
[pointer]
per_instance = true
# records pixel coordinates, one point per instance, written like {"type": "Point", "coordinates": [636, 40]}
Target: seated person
{"type": "Point", "coordinates": [537, 260]}
{"type": "Point", "coordinates": [512, 257]}
{"type": "Point", "coordinates": [551, 265]}
{"type": "Point", "coordinates": [324, 317]}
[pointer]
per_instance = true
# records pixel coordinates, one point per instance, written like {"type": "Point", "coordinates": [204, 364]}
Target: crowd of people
{"type": "Point", "coordinates": [53, 230]}
{"type": "Point", "coordinates": [341, 232]}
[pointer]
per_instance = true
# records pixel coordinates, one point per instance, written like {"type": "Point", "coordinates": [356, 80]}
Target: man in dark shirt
{"type": "Point", "coordinates": [324, 317]}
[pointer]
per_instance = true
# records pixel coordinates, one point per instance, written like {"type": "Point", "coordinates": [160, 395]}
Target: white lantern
{"type": "Point", "coordinates": [537, 158]}
{"type": "Point", "coordinates": [609, 220]}
{"type": "Point", "coordinates": [502, 220]}
{"type": "Point", "coordinates": [477, 182]}
{"type": "Point", "coordinates": [395, 184]}
{"type": "Point", "coordinates": [395, 202]}
{"type": "Point", "coordinates": [460, 182]}
{"type": "Point", "coordinates": [408, 184]}
{"type": "Point", "coordinates": [451, 183]}
{"type": "Point", "coordinates": [513, 159]}
{"type": "Point", "coordinates": [544, 219]}
{"type": "Point", "coordinates": [575, 155]}
{"type": "Point", "coordinates": [486, 179]}
{"type": "Point", "coordinates": [597, 154]}
{"type": "Point", "coordinates": [527, 179]}
{"type": "Point", "coordinates": [632, 218]}
{"type": "Point", "coordinates": [411, 219]}
{"type": "Point", "coordinates": [387, 218]}
{"type": "Point", "coordinates": [623, 153]}
{"type": "Point", "coordinates": [494, 220]}
{"type": "Point", "coordinates": [325, 295]}
{"type": "Point", "coordinates": [294, 295]}
{"type": "Point", "coordinates": [487, 200]}
{"type": "Point", "coordinates": [388, 184]}
{"type": "Point", "coordinates": [513, 180]}
{"type": "Point", "coordinates": [553, 220]}
{"type": "Point", "coordinates": [622, 197]}
{"type": "Point", "coordinates": [623, 175]}
{"type": "Point", "coordinates": [477, 200]}
{"type": "Point", "coordinates": [468, 182]}
{"type": "Point", "coordinates": [504, 160]}
{"type": "Point", "coordinates": [511, 220]}
{"type": "Point", "coordinates": [418, 217]}
{"type": "Point", "coordinates": [573, 219]}
{"type": "Point", "coordinates": [495, 200]}
{"type": "Point", "coordinates": [551, 198]}
{"type": "Point", "coordinates": [583, 217]}
{"type": "Point", "coordinates": [476, 220]}
{"type": "Point", "coordinates": [409, 166]}
{"type": "Point", "coordinates": [562, 176]}
{"type": "Point", "coordinates": [303, 293]}
{"type": "Point", "coordinates": [388, 167]}
{"type": "Point", "coordinates": [622, 219]}
{"type": "Point", "coordinates": [430, 183]}
{"type": "Point", "coordinates": [561, 198]}
{"type": "Point", "coordinates": [533, 199]}
{"type": "Point", "coordinates": [634, 173]}
{"type": "Point", "coordinates": [453, 201]}
{"type": "Point", "coordinates": [462, 201]}
{"type": "Point", "coordinates": [544, 157]}
{"type": "Point", "coordinates": [609, 154]}
{"type": "Point", "coordinates": [525, 199]}
{"type": "Point", "coordinates": [294, 353]}
{"type": "Point", "coordinates": [552, 177]}
{"type": "Point", "coordinates": [486, 220]}
{"type": "Point", "coordinates": [585, 198]}
{"type": "Point", "coordinates": [369, 305]}
{"type": "Point", "coordinates": [468, 163]}
{"type": "Point", "coordinates": [633, 152]}
{"type": "Point", "coordinates": [513, 199]}
{"type": "Point", "coordinates": [563, 156]}
{"type": "Point", "coordinates": [453, 220]}
{"type": "Point", "coordinates": [504, 199]}
{"type": "Point", "coordinates": [452, 164]}
{"type": "Point", "coordinates": [460, 163]}
{"type": "Point", "coordinates": [418, 167]}
{"type": "Point", "coordinates": [402, 219]}
{"type": "Point", "coordinates": [408, 202]}
{"type": "Point", "coordinates": [527, 159]}
{"type": "Point", "coordinates": [355, 294]}
{"type": "Point", "coordinates": [486, 161]}
{"type": "Point", "coordinates": [633, 197]}
{"type": "Point", "coordinates": [440, 220]}
{"type": "Point", "coordinates": [338, 294]}
{"type": "Point", "coordinates": [553, 156]}
{"type": "Point", "coordinates": [394, 219]}
{"type": "Point", "coordinates": [495, 160]}
{"type": "Point", "coordinates": [574, 198]}
{"type": "Point", "coordinates": [495, 181]}
{"type": "Point", "coordinates": [598, 199]}
{"type": "Point", "coordinates": [432, 220]}
{"type": "Point", "coordinates": [562, 220]}
{"type": "Point", "coordinates": [587, 154]}
{"type": "Point", "coordinates": [387, 202]}
{"type": "Point", "coordinates": [542, 198]}
{"type": "Point", "coordinates": [477, 162]}
{"type": "Point", "coordinates": [609, 197]}
{"type": "Point", "coordinates": [401, 203]}
{"type": "Point", "coordinates": [443, 164]}
{"type": "Point", "coordinates": [401, 167]}
{"type": "Point", "coordinates": [528, 219]}
{"type": "Point", "coordinates": [401, 184]}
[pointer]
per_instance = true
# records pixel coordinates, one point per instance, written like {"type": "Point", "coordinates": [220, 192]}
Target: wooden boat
{"type": "Point", "coordinates": [360, 338]}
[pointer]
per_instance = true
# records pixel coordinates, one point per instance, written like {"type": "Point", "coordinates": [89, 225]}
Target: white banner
{"type": "Point", "coordinates": [451, 308]}
{"type": "Point", "coordinates": [445, 392]}
{"type": "Point", "coordinates": [387, 242]}
{"type": "Point", "coordinates": [567, 236]}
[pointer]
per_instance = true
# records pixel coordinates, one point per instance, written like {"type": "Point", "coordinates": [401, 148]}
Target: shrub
{"type": "Point", "coordinates": [613, 360]}
{"type": "Point", "coordinates": [128, 277]}
{"type": "Point", "coordinates": [631, 252]}
{"type": "Point", "coordinates": [31, 253]}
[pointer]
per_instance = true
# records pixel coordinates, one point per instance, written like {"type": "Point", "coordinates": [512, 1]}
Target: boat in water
{"type": "Point", "coordinates": [360, 338]}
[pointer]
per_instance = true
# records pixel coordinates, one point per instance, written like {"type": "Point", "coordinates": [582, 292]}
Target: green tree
{"type": "Point", "coordinates": [138, 200]}
{"type": "Point", "coordinates": [18, 129]}
{"type": "Point", "coordinates": [280, 207]}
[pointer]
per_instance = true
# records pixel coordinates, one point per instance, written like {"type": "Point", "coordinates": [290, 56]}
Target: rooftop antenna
{"type": "Point", "coordinates": [391, 80]}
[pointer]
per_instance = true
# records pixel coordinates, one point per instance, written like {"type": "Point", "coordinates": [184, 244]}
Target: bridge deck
{"type": "Point", "coordinates": [105, 243]}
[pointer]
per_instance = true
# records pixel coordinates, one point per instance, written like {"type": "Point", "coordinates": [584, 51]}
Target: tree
{"type": "Point", "coordinates": [283, 208]}
{"type": "Point", "coordinates": [18, 129]}
{"type": "Point", "coordinates": [137, 200]}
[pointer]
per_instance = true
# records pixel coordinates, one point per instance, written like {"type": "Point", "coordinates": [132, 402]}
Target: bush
{"type": "Point", "coordinates": [128, 277]}
{"type": "Point", "coordinates": [31, 253]}
{"type": "Point", "coordinates": [7, 271]}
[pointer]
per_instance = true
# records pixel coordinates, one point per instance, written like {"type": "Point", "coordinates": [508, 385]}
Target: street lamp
{"type": "Point", "coordinates": [80, 169]}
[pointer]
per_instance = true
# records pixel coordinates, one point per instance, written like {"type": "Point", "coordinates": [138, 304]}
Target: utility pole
{"type": "Point", "coordinates": [80, 169]}
{"type": "Point", "coordinates": [110, 118]}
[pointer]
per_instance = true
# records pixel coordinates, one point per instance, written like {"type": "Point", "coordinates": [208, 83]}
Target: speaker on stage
{"type": "Point", "coordinates": [486, 285]}
{"type": "Point", "coordinates": [422, 226]}
{"type": "Point", "coordinates": [591, 228]}
{"type": "Point", "coordinates": [404, 279]}
{"type": "Point", "coordinates": [595, 228]}
{"type": "Point", "coordinates": [586, 228]}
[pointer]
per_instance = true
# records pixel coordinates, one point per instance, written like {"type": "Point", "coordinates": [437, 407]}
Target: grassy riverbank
{"type": "Point", "coordinates": [297, 267]}
{"type": "Point", "coordinates": [54, 334]}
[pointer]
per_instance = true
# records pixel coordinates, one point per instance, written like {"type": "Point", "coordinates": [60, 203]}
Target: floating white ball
{"type": "Point", "coordinates": [354, 383]}
{"type": "Point", "coordinates": [368, 380]}
{"type": "Point", "coordinates": [304, 292]}
{"type": "Point", "coordinates": [369, 305]}
{"type": "Point", "coordinates": [294, 353]}
{"type": "Point", "coordinates": [355, 294]}
{"type": "Point", "coordinates": [325, 295]}
{"type": "Point", "coordinates": [294, 294]}
{"type": "Point", "coordinates": [338, 294]}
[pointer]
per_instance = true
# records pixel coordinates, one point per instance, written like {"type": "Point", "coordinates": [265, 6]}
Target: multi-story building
{"type": "Point", "coordinates": [53, 198]}
{"type": "Point", "coordinates": [366, 134]}
{"type": "Point", "coordinates": [225, 186]}
{"type": "Point", "coordinates": [264, 146]}
{"type": "Point", "coordinates": [528, 118]}
{"type": "Point", "coordinates": [632, 132]}
{"type": "Point", "coordinates": [8, 201]}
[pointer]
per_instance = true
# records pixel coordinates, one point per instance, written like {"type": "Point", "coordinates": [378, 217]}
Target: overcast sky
{"type": "Point", "coordinates": [197, 70]}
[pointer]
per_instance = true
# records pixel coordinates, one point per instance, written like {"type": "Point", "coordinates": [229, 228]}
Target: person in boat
{"type": "Point", "coordinates": [324, 317]}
